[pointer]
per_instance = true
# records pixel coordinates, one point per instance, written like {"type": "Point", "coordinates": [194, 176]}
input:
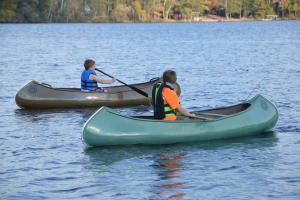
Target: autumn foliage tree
{"type": "Point", "coordinates": [32, 11]}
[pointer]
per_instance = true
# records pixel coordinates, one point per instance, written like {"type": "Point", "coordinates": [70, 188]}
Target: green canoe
{"type": "Point", "coordinates": [39, 95]}
{"type": "Point", "coordinates": [106, 127]}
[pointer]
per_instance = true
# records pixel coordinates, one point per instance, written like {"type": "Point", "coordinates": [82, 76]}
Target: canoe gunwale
{"type": "Point", "coordinates": [78, 90]}
{"type": "Point", "coordinates": [249, 108]}
{"type": "Point", "coordinates": [179, 121]}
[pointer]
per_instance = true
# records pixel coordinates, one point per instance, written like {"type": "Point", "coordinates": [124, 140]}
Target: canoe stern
{"type": "Point", "coordinates": [266, 112]}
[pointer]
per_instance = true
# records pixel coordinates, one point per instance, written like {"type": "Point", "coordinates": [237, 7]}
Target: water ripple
{"type": "Point", "coordinates": [219, 64]}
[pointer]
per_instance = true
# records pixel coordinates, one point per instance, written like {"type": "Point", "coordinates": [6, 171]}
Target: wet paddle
{"type": "Point", "coordinates": [130, 86]}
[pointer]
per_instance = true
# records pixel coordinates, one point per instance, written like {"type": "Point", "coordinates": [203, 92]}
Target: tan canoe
{"type": "Point", "coordinates": [37, 95]}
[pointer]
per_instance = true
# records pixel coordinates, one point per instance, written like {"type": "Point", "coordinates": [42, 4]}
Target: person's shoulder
{"type": "Point", "coordinates": [168, 91]}
{"type": "Point", "coordinates": [89, 72]}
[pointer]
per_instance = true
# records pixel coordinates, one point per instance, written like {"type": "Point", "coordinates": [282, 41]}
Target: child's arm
{"type": "Point", "coordinates": [96, 78]}
{"type": "Point", "coordinates": [172, 99]}
{"type": "Point", "coordinates": [184, 112]}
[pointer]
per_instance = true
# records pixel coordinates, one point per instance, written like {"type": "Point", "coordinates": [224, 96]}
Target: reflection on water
{"type": "Point", "coordinates": [172, 166]}
{"type": "Point", "coordinates": [169, 166]}
{"type": "Point", "coordinates": [110, 154]}
{"type": "Point", "coordinates": [34, 115]}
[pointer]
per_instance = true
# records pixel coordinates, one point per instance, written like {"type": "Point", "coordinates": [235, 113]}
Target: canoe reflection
{"type": "Point", "coordinates": [80, 115]}
{"type": "Point", "coordinates": [169, 166]}
{"type": "Point", "coordinates": [34, 115]}
{"type": "Point", "coordinates": [108, 155]}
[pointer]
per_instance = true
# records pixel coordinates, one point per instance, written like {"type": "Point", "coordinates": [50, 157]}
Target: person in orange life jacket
{"type": "Point", "coordinates": [89, 79]}
{"type": "Point", "coordinates": [165, 100]}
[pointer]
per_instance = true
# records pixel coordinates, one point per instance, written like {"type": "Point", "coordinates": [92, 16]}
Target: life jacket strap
{"type": "Point", "coordinates": [169, 111]}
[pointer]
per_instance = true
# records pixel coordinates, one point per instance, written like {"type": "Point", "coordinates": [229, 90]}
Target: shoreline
{"type": "Point", "coordinates": [202, 20]}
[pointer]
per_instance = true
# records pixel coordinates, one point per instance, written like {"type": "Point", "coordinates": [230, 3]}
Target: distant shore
{"type": "Point", "coordinates": [223, 19]}
{"type": "Point", "coordinates": [199, 20]}
{"type": "Point", "coordinates": [150, 11]}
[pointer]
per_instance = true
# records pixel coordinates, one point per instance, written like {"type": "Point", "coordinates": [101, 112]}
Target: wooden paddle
{"type": "Point", "coordinates": [202, 118]}
{"type": "Point", "coordinates": [130, 86]}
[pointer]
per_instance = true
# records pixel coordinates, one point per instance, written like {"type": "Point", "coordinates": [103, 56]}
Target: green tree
{"type": "Point", "coordinates": [139, 13]}
{"type": "Point", "coordinates": [27, 11]}
{"type": "Point", "coordinates": [73, 10]}
{"type": "Point", "coordinates": [167, 6]}
{"type": "Point", "coordinates": [269, 8]}
{"type": "Point", "coordinates": [293, 7]}
{"type": "Point", "coordinates": [150, 7]}
{"type": "Point", "coordinates": [99, 10]}
{"type": "Point", "coordinates": [280, 7]}
{"type": "Point", "coordinates": [121, 13]}
{"type": "Point", "coordinates": [44, 10]}
{"type": "Point", "coordinates": [234, 8]}
{"type": "Point", "coordinates": [8, 9]}
{"type": "Point", "coordinates": [259, 8]}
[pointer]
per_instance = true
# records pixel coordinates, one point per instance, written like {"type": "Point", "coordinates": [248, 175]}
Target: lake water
{"type": "Point", "coordinates": [218, 64]}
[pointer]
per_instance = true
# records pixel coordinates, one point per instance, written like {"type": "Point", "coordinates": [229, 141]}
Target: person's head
{"type": "Point", "coordinates": [169, 76]}
{"type": "Point", "coordinates": [89, 64]}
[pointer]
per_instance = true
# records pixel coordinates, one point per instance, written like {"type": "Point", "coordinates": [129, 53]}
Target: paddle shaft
{"type": "Point", "coordinates": [203, 118]}
{"type": "Point", "coordinates": [130, 86]}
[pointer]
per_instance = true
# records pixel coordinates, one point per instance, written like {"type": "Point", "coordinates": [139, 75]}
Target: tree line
{"type": "Point", "coordinates": [49, 11]}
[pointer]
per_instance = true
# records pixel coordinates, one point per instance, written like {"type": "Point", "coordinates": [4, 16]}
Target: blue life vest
{"type": "Point", "coordinates": [86, 83]}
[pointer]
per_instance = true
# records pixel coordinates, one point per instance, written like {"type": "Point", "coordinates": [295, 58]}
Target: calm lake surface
{"type": "Point", "coordinates": [218, 64]}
